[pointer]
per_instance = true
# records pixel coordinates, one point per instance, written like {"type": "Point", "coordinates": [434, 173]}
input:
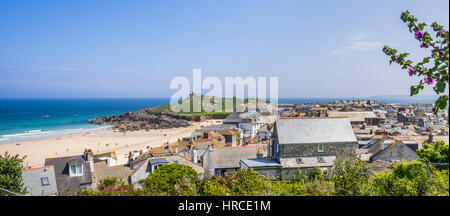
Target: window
{"type": "Point", "coordinates": [44, 181]}
{"type": "Point", "coordinates": [76, 169]}
{"type": "Point", "coordinates": [320, 148]}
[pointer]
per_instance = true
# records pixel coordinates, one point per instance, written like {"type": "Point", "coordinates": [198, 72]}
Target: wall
{"type": "Point", "coordinates": [286, 174]}
{"type": "Point", "coordinates": [296, 150]}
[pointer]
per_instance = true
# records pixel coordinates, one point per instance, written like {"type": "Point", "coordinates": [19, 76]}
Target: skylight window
{"type": "Point", "coordinates": [44, 181]}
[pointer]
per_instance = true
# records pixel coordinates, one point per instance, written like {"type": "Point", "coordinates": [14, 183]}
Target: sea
{"type": "Point", "coordinates": [22, 119]}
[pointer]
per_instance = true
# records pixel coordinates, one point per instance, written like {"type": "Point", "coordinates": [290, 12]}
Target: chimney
{"type": "Point", "coordinates": [88, 155]}
{"type": "Point", "coordinates": [259, 154]}
{"type": "Point", "coordinates": [430, 137]}
{"type": "Point", "coordinates": [194, 156]}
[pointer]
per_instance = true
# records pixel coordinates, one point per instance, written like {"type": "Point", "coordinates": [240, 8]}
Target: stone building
{"type": "Point", "coordinates": [300, 137]}
{"type": "Point", "coordinates": [317, 112]}
{"type": "Point", "coordinates": [357, 117]}
{"type": "Point", "coordinates": [301, 144]}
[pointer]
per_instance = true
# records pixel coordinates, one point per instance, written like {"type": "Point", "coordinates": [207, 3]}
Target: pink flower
{"type": "Point", "coordinates": [418, 34]}
{"type": "Point", "coordinates": [441, 53]}
{"type": "Point", "coordinates": [442, 33]}
{"type": "Point", "coordinates": [429, 80]}
{"type": "Point", "coordinates": [411, 71]}
{"type": "Point", "coordinates": [422, 45]}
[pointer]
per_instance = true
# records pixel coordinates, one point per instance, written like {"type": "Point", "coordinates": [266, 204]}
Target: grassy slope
{"type": "Point", "coordinates": [166, 108]}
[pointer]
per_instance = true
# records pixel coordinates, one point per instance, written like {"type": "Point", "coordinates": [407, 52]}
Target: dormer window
{"type": "Point", "coordinates": [320, 148]}
{"type": "Point", "coordinates": [76, 169]}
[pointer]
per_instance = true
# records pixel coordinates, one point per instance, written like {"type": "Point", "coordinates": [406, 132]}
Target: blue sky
{"type": "Point", "coordinates": [117, 49]}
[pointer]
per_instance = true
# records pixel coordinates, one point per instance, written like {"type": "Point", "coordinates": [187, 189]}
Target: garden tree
{"type": "Point", "coordinates": [170, 180]}
{"type": "Point", "coordinates": [186, 186]}
{"type": "Point", "coordinates": [435, 153]}
{"type": "Point", "coordinates": [11, 173]}
{"type": "Point", "coordinates": [247, 182]}
{"type": "Point", "coordinates": [437, 74]}
{"type": "Point", "coordinates": [313, 187]}
{"type": "Point", "coordinates": [214, 187]}
{"type": "Point", "coordinates": [350, 176]}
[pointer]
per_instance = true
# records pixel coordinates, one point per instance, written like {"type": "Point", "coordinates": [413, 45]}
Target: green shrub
{"type": "Point", "coordinates": [170, 180]}
{"type": "Point", "coordinates": [248, 183]}
{"type": "Point", "coordinates": [316, 173]}
{"type": "Point", "coordinates": [435, 153]}
{"type": "Point", "coordinates": [415, 179]}
{"type": "Point", "coordinates": [110, 182]}
{"type": "Point", "coordinates": [11, 174]}
{"type": "Point", "coordinates": [350, 176]}
{"type": "Point", "coordinates": [214, 187]}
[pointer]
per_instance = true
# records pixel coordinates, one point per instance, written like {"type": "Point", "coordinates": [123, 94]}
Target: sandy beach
{"type": "Point", "coordinates": [100, 141]}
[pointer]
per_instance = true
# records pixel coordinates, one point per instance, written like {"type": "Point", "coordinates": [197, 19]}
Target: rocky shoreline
{"type": "Point", "coordinates": [145, 119]}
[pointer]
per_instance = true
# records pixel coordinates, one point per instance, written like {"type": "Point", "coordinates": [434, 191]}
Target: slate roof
{"type": "Point", "coordinates": [32, 181]}
{"type": "Point", "coordinates": [354, 116]}
{"type": "Point", "coordinates": [398, 146]}
{"type": "Point", "coordinates": [119, 171]}
{"type": "Point", "coordinates": [153, 161]}
{"type": "Point", "coordinates": [217, 127]}
{"type": "Point", "coordinates": [232, 119]}
{"type": "Point", "coordinates": [229, 157]}
{"type": "Point", "coordinates": [314, 130]}
{"type": "Point", "coordinates": [260, 162]}
{"type": "Point", "coordinates": [63, 179]}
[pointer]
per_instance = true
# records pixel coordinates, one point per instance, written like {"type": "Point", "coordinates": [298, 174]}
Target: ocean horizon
{"type": "Point", "coordinates": [22, 119]}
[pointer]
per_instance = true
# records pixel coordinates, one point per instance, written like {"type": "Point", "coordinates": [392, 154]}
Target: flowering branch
{"type": "Point", "coordinates": [439, 54]}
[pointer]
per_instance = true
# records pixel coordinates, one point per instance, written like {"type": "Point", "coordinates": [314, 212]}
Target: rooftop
{"type": "Point", "coordinates": [354, 116]}
{"type": "Point", "coordinates": [314, 130]}
{"type": "Point", "coordinates": [260, 162]}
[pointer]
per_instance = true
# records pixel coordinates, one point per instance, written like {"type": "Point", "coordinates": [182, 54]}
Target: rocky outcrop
{"type": "Point", "coordinates": [144, 119]}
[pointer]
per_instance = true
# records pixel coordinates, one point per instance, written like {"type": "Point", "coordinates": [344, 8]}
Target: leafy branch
{"type": "Point", "coordinates": [439, 55]}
